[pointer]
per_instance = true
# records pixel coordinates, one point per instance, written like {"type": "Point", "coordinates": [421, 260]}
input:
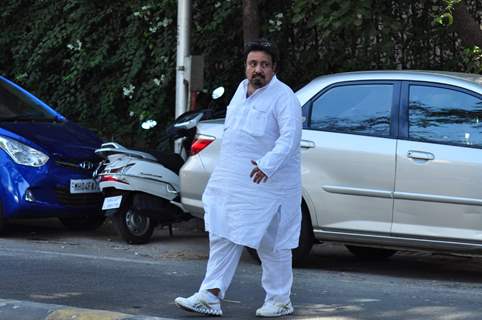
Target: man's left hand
{"type": "Point", "coordinates": [257, 175]}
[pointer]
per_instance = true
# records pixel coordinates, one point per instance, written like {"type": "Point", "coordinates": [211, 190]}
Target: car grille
{"type": "Point", "coordinates": [78, 200]}
{"type": "Point", "coordinates": [81, 165]}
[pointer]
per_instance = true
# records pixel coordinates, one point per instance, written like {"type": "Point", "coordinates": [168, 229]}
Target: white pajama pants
{"type": "Point", "coordinates": [224, 256]}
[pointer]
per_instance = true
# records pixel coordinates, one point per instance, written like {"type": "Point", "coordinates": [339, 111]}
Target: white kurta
{"type": "Point", "coordinates": [265, 127]}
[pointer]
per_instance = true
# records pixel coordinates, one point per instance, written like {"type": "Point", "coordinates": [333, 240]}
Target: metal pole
{"type": "Point", "coordinates": [183, 44]}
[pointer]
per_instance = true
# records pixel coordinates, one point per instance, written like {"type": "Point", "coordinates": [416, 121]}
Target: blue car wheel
{"type": "Point", "coordinates": [2, 220]}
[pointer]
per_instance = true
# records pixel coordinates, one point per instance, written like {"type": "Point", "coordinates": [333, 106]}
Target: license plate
{"type": "Point", "coordinates": [112, 202]}
{"type": "Point", "coordinates": [84, 186]}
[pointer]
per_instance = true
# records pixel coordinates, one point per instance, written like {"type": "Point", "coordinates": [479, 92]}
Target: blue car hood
{"type": "Point", "coordinates": [61, 140]}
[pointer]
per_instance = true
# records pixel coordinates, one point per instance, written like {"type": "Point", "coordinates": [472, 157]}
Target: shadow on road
{"type": "Point", "coordinates": [51, 229]}
{"type": "Point", "coordinates": [409, 264]}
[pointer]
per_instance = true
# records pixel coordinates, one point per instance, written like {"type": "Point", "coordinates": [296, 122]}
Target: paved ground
{"type": "Point", "coordinates": [25, 310]}
{"type": "Point", "coordinates": [44, 263]}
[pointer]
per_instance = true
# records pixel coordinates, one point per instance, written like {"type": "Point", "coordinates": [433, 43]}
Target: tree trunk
{"type": "Point", "coordinates": [250, 21]}
{"type": "Point", "coordinates": [466, 26]}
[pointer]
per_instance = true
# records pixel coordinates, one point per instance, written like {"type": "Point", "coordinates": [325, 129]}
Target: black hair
{"type": "Point", "coordinates": [262, 45]}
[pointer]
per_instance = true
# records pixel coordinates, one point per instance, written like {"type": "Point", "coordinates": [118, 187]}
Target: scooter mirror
{"type": "Point", "coordinates": [217, 93]}
{"type": "Point", "coordinates": [149, 124]}
{"type": "Point", "coordinates": [191, 123]}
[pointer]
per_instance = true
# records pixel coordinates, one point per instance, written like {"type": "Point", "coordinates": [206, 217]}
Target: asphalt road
{"type": "Point", "coordinates": [43, 262]}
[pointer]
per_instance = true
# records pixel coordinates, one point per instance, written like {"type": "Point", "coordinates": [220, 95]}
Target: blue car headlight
{"type": "Point", "coordinates": [23, 154]}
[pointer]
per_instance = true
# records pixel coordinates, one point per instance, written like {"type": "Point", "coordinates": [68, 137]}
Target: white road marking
{"type": "Point", "coordinates": [13, 252]}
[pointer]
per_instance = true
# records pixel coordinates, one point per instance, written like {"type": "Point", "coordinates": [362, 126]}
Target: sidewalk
{"type": "Point", "coordinates": [24, 310]}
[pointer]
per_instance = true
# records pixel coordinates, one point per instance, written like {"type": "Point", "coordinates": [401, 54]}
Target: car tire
{"type": "Point", "coordinates": [306, 241]}
{"type": "Point", "coordinates": [371, 253]}
{"type": "Point", "coordinates": [83, 223]}
{"type": "Point", "coordinates": [2, 220]}
{"type": "Point", "coordinates": [133, 227]}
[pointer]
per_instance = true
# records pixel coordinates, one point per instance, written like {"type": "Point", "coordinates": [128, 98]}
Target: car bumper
{"type": "Point", "coordinates": [44, 192]}
{"type": "Point", "coordinates": [193, 179]}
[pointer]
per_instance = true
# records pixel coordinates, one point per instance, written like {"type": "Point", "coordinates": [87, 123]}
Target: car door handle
{"type": "Point", "coordinates": [307, 144]}
{"type": "Point", "coordinates": [420, 155]}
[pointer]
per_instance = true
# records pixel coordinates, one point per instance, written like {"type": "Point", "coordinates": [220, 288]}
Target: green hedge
{"type": "Point", "coordinates": [109, 65]}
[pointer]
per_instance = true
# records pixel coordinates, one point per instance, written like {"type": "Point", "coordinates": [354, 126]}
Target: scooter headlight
{"type": "Point", "coordinates": [23, 154]}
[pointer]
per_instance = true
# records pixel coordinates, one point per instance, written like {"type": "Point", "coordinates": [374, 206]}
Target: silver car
{"type": "Point", "coordinates": [390, 160]}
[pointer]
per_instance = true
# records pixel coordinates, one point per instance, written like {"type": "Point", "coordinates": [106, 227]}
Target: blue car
{"type": "Point", "coordinates": [46, 163]}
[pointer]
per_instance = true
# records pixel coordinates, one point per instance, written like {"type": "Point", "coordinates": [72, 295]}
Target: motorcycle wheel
{"type": "Point", "coordinates": [133, 227]}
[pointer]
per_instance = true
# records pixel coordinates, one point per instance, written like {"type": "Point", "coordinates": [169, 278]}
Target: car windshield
{"type": "Point", "coordinates": [16, 105]}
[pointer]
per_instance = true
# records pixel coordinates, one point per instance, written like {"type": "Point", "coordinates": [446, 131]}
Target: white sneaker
{"type": "Point", "coordinates": [201, 302]}
{"type": "Point", "coordinates": [274, 309]}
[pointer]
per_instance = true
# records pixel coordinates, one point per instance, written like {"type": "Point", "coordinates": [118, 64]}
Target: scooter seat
{"type": "Point", "coordinates": [172, 161]}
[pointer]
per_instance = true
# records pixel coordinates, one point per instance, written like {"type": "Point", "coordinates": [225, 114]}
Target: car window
{"type": "Point", "coordinates": [15, 104]}
{"type": "Point", "coordinates": [358, 109]}
{"type": "Point", "coordinates": [443, 115]}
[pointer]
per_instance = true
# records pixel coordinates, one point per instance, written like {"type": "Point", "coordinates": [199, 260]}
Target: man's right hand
{"type": "Point", "coordinates": [257, 175]}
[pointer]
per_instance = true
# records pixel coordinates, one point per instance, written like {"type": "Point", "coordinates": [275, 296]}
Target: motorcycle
{"type": "Point", "coordinates": [141, 187]}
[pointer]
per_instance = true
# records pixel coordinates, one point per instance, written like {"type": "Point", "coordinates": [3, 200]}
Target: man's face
{"type": "Point", "coordinates": [259, 69]}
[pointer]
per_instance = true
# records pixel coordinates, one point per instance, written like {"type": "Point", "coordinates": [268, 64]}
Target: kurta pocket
{"type": "Point", "coordinates": [255, 123]}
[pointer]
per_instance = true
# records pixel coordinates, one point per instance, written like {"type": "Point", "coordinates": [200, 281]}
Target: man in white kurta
{"type": "Point", "coordinates": [253, 197]}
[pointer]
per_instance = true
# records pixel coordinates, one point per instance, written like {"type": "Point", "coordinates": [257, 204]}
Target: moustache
{"type": "Point", "coordinates": [258, 75]}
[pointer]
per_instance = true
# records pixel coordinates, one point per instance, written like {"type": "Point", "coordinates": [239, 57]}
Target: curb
{"type": "Point", "coordinates": [25, 310]}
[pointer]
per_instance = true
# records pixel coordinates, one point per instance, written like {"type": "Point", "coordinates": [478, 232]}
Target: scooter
{"type": "Point", "coordinates": [141, 188]}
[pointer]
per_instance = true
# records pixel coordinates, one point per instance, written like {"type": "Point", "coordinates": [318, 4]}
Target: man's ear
{"type": "Point", "coordinates": [275, 67]}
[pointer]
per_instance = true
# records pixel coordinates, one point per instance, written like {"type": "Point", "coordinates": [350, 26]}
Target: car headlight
{"type": "Point", "coordinates": [23, 154]}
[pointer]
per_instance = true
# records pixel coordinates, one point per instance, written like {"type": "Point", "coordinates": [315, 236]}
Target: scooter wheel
{"type": "Point", "coordinates": [133, 227]}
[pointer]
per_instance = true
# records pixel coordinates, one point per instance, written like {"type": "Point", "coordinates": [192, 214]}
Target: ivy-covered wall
{"type": "Point", "coordinates": [111, 64]}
